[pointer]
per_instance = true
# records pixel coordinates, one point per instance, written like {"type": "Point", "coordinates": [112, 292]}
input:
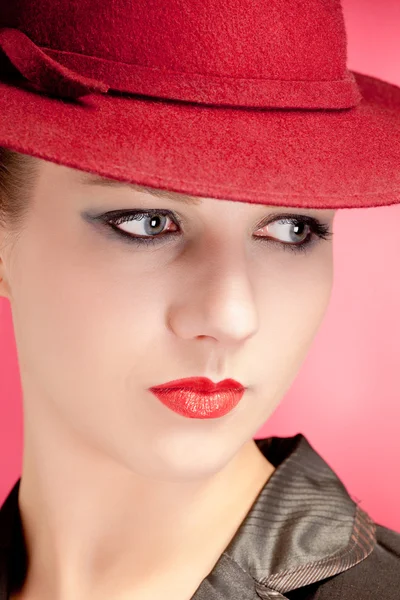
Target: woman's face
{"type": "Point", "coordinates": [99, 319]}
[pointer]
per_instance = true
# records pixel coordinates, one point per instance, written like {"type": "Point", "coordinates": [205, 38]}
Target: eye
{"type": "Point", "coordinates": [144, 223]}
{"type": "Point", "coordinates": [309, 229]}
{"type": "Point", "coordinates": [295, 229]}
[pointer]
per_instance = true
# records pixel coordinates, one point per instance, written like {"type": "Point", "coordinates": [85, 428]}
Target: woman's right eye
{"type": "Point", "coordinates": [143, 223]}
{"type": "Point", "coordinates": [144, 227]}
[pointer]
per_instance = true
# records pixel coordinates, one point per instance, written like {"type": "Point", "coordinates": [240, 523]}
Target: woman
{"type": "Point", "coordinates": [170, 177]}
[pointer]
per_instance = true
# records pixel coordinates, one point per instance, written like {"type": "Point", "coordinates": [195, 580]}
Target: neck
{"type": "Point", "coordinates": [95, 528]}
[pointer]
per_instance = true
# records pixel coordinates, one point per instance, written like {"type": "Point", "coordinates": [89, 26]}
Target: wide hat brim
{"type": "Point", "coordinates": [347, 158]}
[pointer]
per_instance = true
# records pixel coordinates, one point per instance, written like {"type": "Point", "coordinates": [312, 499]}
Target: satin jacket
{"type": "Point", "coordinates": [304, 538]}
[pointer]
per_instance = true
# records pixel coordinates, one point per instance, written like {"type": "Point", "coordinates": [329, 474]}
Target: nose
{"type": "Point", "coordinates": [216, 300]}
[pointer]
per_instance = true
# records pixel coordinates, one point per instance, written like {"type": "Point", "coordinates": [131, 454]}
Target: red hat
{"type": "Point", "coordinates": [242, 100]}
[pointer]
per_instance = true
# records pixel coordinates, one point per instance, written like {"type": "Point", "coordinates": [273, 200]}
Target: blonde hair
{"type": "Point", "coordinates": [18, 174]}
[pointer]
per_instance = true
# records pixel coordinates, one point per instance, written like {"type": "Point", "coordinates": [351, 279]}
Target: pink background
{"type": "Point", "coordinates": [346, 398]}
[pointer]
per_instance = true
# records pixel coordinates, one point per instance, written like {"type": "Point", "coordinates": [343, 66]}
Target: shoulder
{"type": "Point", "coordinates": [375, 577]}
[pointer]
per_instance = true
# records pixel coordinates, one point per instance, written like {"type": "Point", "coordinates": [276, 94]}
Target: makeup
{"type": "Point", "coordinates": [199, 397]}
{"type": "Point", "coordinates": [316, 230]}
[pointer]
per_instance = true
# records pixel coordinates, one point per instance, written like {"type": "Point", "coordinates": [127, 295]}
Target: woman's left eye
{"type": "Point", "coordinates": [151, 226]}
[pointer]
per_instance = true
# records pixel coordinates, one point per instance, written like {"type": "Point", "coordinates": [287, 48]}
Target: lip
{"type": "Point", "coordinates": [199, 397]}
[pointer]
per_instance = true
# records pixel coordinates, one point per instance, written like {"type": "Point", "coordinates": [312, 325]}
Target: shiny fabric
{"type": "Point", "coordinates": [304, 537]}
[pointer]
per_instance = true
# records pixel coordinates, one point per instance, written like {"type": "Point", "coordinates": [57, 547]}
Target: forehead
{"type": "Point", "coordinates": [91, 179]}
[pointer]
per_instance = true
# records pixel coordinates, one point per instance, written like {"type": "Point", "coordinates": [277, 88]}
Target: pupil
{"type": "Point", "coordinates": [156, 222]}
{"type": "Point", "coordinates": [299, 226]}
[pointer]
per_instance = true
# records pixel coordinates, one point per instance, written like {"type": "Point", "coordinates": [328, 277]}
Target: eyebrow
{"type": "Point", "coordinates": [92, 179]}
{"type": "Point", "coordinates": [87, 178]}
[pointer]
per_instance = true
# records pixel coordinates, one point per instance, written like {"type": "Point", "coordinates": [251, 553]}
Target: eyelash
{"type": "Point", "coordinates": [318, 230]}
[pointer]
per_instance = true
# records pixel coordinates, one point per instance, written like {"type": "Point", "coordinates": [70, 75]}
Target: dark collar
{"type": "Point", "coordinates": [302, 528]}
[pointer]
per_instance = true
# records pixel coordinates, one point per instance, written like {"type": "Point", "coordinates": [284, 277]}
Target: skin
{"type": "Point", "coordinates": [121, 497]}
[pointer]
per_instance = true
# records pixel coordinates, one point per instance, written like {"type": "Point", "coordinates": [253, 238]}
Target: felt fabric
{"type": "Point", "coordinates": [39, 68]}
{"type": "Point", "coordinates": [237, 52]}
{"type": "Point", "coordinates": [241, 99]}
{"type": "Point", "coordinates": [236, 38]}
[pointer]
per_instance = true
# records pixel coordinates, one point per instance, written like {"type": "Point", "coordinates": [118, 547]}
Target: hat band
{"type": "Point", "coordinates": [73, 75]}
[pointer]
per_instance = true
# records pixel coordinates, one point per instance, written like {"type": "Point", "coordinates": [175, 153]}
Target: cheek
{"type": "Point", "coordinates": [296, 300]}
{"type": "Point", "coordinates": [82, 328]}
{"type": "Point", "coordinates": [292, 294]}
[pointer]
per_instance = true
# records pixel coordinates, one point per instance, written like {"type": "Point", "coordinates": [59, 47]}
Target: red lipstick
{"type": "Point", "coordinates": [199, 397]}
